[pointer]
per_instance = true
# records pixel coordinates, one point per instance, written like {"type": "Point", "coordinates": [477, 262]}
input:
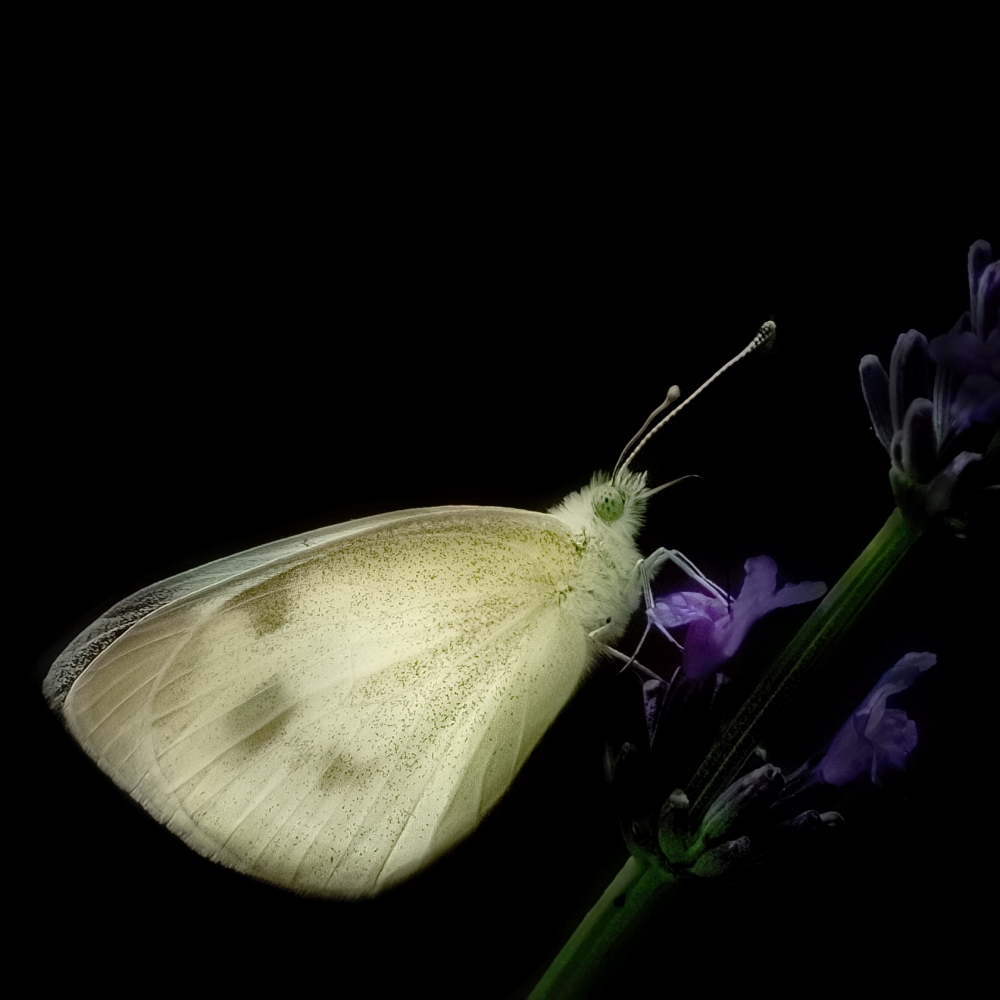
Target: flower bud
{"type": "Point", "coordinates": [810, 822]}
{"type": "Point", "coordinates": [720, 859]}
{"type": "Point", "coordinates": [927, 430]}
{"type": "Point", "coordinates": [675, 827]}
{"type": "Point", "coordinates": [741, 803]}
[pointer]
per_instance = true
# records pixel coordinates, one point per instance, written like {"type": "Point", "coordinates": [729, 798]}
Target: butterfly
{"type": "Point", "coordinates": [333, 711]}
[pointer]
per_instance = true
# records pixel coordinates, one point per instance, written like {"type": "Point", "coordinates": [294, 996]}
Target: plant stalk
{"type": "Point", "coordinates": [642, 887]}
{"type": "Point", "coordinates": [587, 959]}
{"type": "Point", "coordinates": [831, 619]}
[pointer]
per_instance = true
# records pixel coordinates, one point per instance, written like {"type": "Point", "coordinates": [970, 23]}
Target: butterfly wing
{"type": "Point", "coordinates": [81, 652]}
{"type": "Point", "coordinates": [334, 719]}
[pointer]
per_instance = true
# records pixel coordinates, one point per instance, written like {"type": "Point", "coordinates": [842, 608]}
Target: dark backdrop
{"type": "Point", "coordinates": [212, 367]}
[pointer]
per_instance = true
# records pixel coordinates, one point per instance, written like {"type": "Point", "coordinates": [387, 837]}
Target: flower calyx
{"type": "Point", "coordinates": [722, 839]}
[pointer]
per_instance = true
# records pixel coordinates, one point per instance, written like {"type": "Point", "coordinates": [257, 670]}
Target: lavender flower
{"type": "Point", "coordinates": [715, 628]}
{"type": "Point", "coordinates": [921, 428]}
{"type": "Point", "coordinates": [969, 356]}
{"type": "Point", "coordinates": [876, 736]}
{"type": "Point", "coordinates": [753, 809]}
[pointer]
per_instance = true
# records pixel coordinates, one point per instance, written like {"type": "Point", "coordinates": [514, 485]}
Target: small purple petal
{"type": "Point", "coordinates": [850, 754]}
{"type": "Point", "coordinates": [757, 591]}
{"type": "Point", "coordinates": [919, 446]}
{"type": "Point", "coordinates": [755, 600]}
{"type": "Point", "coordinates": [907, 374]}
{"type": "Point", "coordinates": [875, 387]}
{"type": "Point", "coordinates": [875, 736]}
{"type": "Point", "coordinates": [798, 593]}
{"type": "Point", "coordinates": [988, 299]}
{"type": "Point", "coordinates": [893, 737]}
{"type": "Point", "coordinates": [978, 400]}
{"type": "Point", "coordinates": [702, 649]}
{"type": "Point", "coordinates": [899, 677]}
{"type": "Point", "coordinates": [716, 633]}
{"type": "Point", "coordinates": [963, 352]}
{"type": "Point", "coordinates": [980, 256]}
{"type": "Point", "coordinates": [962, 325]}
{"type": "Point", "coordinates": [675, 610]}
{"type": "Point", "coordinates": [945, 484]}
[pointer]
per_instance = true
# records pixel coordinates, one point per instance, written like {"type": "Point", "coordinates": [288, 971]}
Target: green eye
{"type": "Point", "coordinates": [609, 503]}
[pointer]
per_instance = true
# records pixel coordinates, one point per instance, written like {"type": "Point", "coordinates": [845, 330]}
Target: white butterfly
{"type": "Point", "coordinates": [333, 711]}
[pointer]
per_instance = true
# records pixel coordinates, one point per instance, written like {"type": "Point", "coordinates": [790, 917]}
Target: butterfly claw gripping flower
{"type": "Point", "coordinates": [716, 627]}
{"type": "Point", "coordinates": [680, 714]}
{"type": "Point", "coordinates": [923, 428]}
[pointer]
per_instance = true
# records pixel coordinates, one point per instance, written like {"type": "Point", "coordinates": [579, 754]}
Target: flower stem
{"type": "Point", "coordinates": [642, 887]}
{"type": "Point", "coordinates": [829, 621]}
{"type": "Point", "coordinates": [588, 957]}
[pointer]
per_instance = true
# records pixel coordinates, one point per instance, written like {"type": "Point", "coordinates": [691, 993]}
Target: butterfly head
{"type": "Point", "coordinates": [609, 505]}
{"type": "Point", "coordinates": [619, 496]}
{"type": "Point", "coordinates": [604, 519]}
{"type": "Point", "coordinates": [614, 506]}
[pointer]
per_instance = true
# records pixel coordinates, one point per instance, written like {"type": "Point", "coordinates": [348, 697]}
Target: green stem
{"type": "Point", "coordinates": [641, 887]}
{"type": "Point", "coordinates": [588, 957]}
{"type": "Point", "coordinates": [835, 614]}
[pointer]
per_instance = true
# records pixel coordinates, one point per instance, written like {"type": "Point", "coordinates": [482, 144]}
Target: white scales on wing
{"type": "Point", "coordinates": [337, 718]}
{"type": "Point", "coordinates": [331, 712]}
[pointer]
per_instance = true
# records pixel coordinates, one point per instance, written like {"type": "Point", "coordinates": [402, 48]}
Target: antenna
{"type": "Point", "coordinates": [673, 394]}
{"type": "Point", "coordinates": [648, 493]}
{"type": "Point", "coordinates": [765, 335]}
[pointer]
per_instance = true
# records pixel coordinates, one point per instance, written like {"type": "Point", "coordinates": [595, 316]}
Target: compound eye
{"type": "Point", "coordinates": [609, 503]}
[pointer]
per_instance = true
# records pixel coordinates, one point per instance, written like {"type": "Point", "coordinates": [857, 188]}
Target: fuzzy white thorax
{"type": "Point", "coordinates": [608, 586]}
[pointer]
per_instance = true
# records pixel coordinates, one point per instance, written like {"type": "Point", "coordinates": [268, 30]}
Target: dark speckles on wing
{"type": "Point", "coordinates": [267, 603]}
{"type": "Point", "coordinates": [350, 716]}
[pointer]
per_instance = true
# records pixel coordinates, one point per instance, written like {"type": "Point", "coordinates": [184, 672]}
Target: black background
{"type": "Point", "coordinates": [228, 345]}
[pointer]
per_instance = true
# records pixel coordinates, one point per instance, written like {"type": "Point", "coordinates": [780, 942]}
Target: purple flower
{"type": "Point", "coordinates": [875, 736]}
{"type": "Point", "coordinates": [920, 426]}
{"type": "Point", "coordinates": [716, 629]}
{"type": "Point", "coordinates": [969, 356]}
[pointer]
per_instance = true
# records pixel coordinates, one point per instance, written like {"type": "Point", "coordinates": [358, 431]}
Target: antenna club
{"type": "Point", "coordinates": [764, 334]}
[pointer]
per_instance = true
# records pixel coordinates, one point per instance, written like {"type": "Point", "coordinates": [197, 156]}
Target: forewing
{"type": "Point", "coordinates": [334, 720]}
{"type": "Point", "coordinates": [117, 620]}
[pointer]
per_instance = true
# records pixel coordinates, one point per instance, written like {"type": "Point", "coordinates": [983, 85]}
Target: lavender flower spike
{"type": "Point", "coordinates": [925, 429]}
{"type": "Point", "coordinates": [716, 630]}
{"type": "Point", "coordinates": [876, 736]}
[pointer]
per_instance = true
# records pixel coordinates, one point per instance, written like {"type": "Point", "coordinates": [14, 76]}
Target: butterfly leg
{"type": "Point", "coordinates": [631, 661]}
{"type": "Point", "coordinates": [646, 568]}
{"type": "Point", "coordinates": [684, 564]}
{"type": "Point", "coordinates": [654, 563]}
{"type": "Point", "coordinates": [654, 688]}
